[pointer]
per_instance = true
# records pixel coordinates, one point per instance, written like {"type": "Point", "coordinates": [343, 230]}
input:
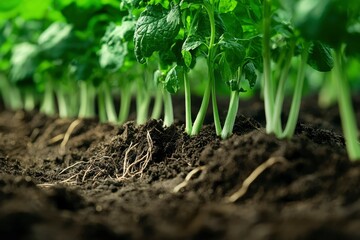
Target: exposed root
{"type": "Point", "coordinates": [86, 172]}
{"type": "Point", "coordinates": [134, 164]}
{"type": "Point", "coordinates": [56, 139]}
{"type": "Point", "coordinates": [137, 167]}
{"type": "Point", "coordinates": [70, 178]}
{"type": "Point", "coordinates": [67, 135]}
{"type": "Point", "coordinates": [252, 177]}
{"type": "Point", "coordinates": [69, 167]}
{"type": "Point", "coordinates": [68, 181]}
{"type": "Point", "coordinates": [45, 185]}
{"type": "Point", "coordinates": [34, 134]}
{"type": "Point", "coordinates": [97, 175]}
{"type": "Point", "coordinates": [48, 130]}
{"type": "Point", "coordinates": [126, 161]}
{"type": "Point", "coordinates": [188, 177]}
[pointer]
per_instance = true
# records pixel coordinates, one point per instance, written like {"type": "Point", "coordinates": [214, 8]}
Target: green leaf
{"type": "Point", "coordinates": [223, 71]}
{"type": "Point", "coordinates": [112, 58]}
{"type": "Point", "coordinates": [79, 15]}
{"type": "Point", "coordinates": [324, 21]}
{"type": "Point", "coordinates": [249, 71]}
{"type": "Point", "coordinates": [232, 56]}
{"type": "Point", "coordinates": [287, 5]}
{"type": "Point", "coordinates": [202, 27]}
{"type": "Point", "coordinates": [171, 81]}
{"type": "Point", "coordinates": [7, 5]}
{"type": "Point", "coordinates": [23, 61]}
{"type": "Point", "coordinates": [195, 2]}
{"type": "Point", "coordinates": [320, 57]}
{"type": "Point", "coordinates": [82, 3]}
{"type": "Point", "coordinates": [34, 9]}
{"type": "Point", "coordinates": [187, 58]}
{"type": "Point", "coordinates": [254, 51]}
{"type": "Point", "coordinates": [255, 10]}
{"type": "Point", "coordinates": [54, 40]}
{"type": "Point", "coordinates": [192, 42]}
{"type": "Point", "coordinates": [60, 4]}
{"type": "Point", "coordinates": [155, 30]}
{"type": "Point", "coordinates": [127, 3]}
{"type": "Point", "coordinates": [227, 6]}
{"type": "Point", "coordinates": [281, 24]}
{"type": "Point", "coordinates": [114, 46]}
{"type": "Point", "coordinates": [232, 24]}
{"type": "Point", "coordinates": [234, 53]}
{"type": "Point", "coordinates": [172, 55]}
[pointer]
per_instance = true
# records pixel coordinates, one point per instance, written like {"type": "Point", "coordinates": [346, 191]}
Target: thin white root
{"type": "Point", "coordinates": [138, 166]}
{"type": "Point", "coordinates": [252, 177]}
{"type": "Point", "coordinates": [70, 178]}
{"type": "Point", "coordinates": [188, 177]}
{"type": "Point", "coordinates": [131, 167]}
{"type": "Point", "coordinates": [67, 181]}
{"type": "Point", "coordinates": [86, 172]}
{"type": "Point", "coordinates": [45, 185]}
{"type": "Point", "coordinates": [97, 175]}
{"type": "Point", "coordinates": [69, 167]}
{"type": "Point", "coordinates": [67, 135]}
{"type": "Point", "coordinates": [126, 160]}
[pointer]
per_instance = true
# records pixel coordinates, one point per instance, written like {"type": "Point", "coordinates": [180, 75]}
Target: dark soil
{"type": "Point", "coordinates": [150, 182]}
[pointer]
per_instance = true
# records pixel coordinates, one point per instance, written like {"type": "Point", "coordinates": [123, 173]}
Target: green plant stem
{"type": "Point", "coordinates": [158, 102]}
{"type": "Point", "coordinates": [125, 102]}
{"type": "Point", "coordinates": [202, 111]}
{"type": "Point", "coordinates": [109, 103]}
{"type": "Point", "coordinates": [216, 116]}
{"type": "Point", "coordinates": [142, 102]}
{"type": "Point", "coordinates": [328, 91]}
{"type": "Point", "coordinates": [296, 100]}
{"type": "Point", "coordinates": [210, 59]}
{"type": "Point", "coordinates": [62, 103]}
{"type": "Point", "coordinates": [210, 88]}
{"type": "Point", "coordinates": [83, 99]}
{"type": "Point", "coordinates": [91, 102]}
{"type": "Point", "coordinates": [10, 94]}
{"type": "Point", "coordinates": [15, 98]}
{"type": "Point", "coordinates": [268, 85]}
{"type": "Point", "coordinates": [280, 93]}
{"type": "Point", "coordinates": [188, 118]}
{"type": "Point", "coordinates": [101, 107]}
{"type": "Point", "coordinates": [5, 91]}
{"type": "Point", "coordinates": [48, 103]}
{"type": "Point", "coordinates": [168, 109]}
{"type": "Point", "coordinates": [348, 119]}
{"type": "Point", "coordinates": [199, 120]}
{"type": "Point", "coordinates": [232, 109]}
{"type": "Point", "coordinates": [29, 99]}
{"type": "Point", "coordinates": [87, 97]}
{"type": "Point", "coordinates": [73, 101]}
{"type": "Point", "coordinates": [231, 115]}
{"type": "Point", "coordinates": [277, 125]}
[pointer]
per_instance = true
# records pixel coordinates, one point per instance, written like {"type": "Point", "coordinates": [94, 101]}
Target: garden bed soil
{"type": "Point", "coordinates": [78, 179]}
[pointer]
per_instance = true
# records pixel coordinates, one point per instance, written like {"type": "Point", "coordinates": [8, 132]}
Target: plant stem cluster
{"type": "Point", "coordinates": [75, 58]}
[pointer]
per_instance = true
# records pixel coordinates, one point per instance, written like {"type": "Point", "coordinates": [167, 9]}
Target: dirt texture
{"type": "Point", "coordinates": [78, 179]}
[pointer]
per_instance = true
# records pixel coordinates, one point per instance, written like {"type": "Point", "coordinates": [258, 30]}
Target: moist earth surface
{"type": "Point", "coordinates": [80, 179]}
